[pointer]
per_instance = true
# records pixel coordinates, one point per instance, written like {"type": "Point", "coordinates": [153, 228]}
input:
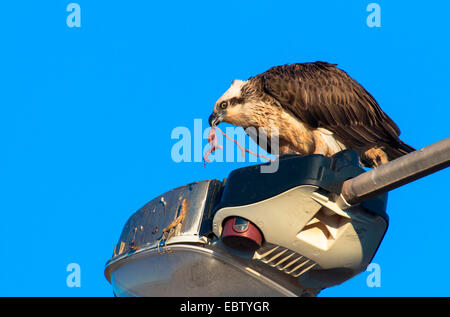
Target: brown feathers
{"type": "Point", "coordinates": [318, 108]}
{"type": "Point", "coordinates": [323, 96]}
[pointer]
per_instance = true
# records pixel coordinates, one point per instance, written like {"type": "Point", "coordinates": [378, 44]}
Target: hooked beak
{"type": "Point", "coordinates": [213, 120]}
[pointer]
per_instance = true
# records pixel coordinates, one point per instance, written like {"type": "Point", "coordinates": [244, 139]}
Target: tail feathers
{"type": "Point", "coordinates": [399, 149]}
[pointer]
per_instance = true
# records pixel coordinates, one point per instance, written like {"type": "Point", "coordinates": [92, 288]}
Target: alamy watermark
{"type": "Point", "coordinates": [374, 18]}
{"type": "Point", "coordinates": [74, 278]}
{"type": "Point", "coordinates": [74, 18]}
{"type": "Point", "coordinates": [374, 278]}
{"type": "Point", "coordinates": [190, 146]}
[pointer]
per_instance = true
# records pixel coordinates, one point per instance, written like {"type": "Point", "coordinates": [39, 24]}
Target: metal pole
{"type": "Point", "coordinates": [398, 172]}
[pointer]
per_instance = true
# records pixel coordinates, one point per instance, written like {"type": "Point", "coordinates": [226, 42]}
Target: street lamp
{"type": "Point", "coordinates": [314, 223]}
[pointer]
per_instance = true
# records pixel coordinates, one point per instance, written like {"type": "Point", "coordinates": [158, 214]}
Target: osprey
{"type": "Point", "coordinates": [317, 109]}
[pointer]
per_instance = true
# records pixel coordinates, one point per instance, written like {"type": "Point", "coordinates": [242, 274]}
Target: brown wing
{"type": "Point", "coordinates": [321, 95]}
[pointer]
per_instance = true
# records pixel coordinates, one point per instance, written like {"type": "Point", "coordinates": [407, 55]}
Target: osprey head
{"type": "Point", "coordinates": [228, 107]}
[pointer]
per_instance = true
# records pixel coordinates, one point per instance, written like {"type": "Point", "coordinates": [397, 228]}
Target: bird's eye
{"type": "Point", "coordinates": [223, 105]}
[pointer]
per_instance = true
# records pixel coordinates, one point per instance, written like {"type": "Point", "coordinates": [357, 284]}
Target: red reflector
{"type": "Point", "coordinates": [241, 234]}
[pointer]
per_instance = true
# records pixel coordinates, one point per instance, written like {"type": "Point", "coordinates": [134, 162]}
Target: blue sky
{"type": "Point", "coordinates": [86, 116]}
